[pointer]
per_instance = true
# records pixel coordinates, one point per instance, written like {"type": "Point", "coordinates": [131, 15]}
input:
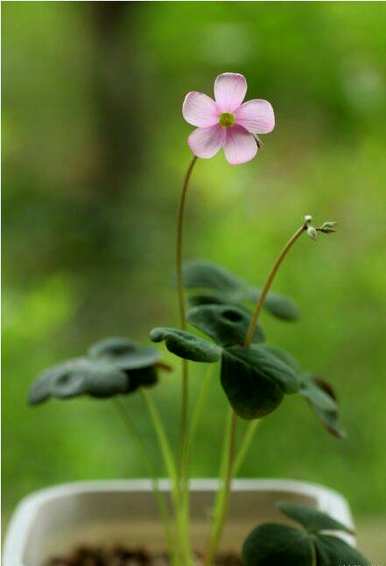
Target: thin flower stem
{"type": "Point", "coordinates": [160, 498]}
{"type": "Point", "coordinates": [164, 445]}
{"type": "Point", "coordinates": [222, 499]}
{"type": "Point", "coordinates": [183, 484]}
{"type": "Point", "coordinates": [180, 234]}
{"type": "Point", "coordinates": [221, 506]}
{"type": "Point", "coordinates": [171, 470]}
{"type": "Point", "coordinates": [268, 284]}
{"type": "Point", "coordinates": [182, 314]}
{"type": "Point", "coordinates": [199, 405]}
{"type": "Point", "coordinates": [245, 444]}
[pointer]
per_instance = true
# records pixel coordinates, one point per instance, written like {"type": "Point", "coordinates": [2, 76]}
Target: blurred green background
{"type": "Point", "coordinates": [94, 155]}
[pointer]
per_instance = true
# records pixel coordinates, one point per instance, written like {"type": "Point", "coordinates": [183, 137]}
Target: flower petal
{"type": "Point", "coordinates": [200, 110]}
{"type": "Point", "coordinates": [229, 91]}
{"type": "Point", "coordinates": [240, 146]}
{"type": "Point", "coordinates": [206, 142]}
{"type": "Point", "coordinates": [256, 116]}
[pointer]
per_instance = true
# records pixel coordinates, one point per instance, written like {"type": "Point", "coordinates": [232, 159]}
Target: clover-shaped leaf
{"type": "Point", "coordinates": [79, 376]}
{"type": "Point", "coordinates": [322, 399]}
{"type": "Point", "coordinates": [104, 380]}
{"type": "Point", "coordinates": [139, 363]}
{"type": "Point", "coordinates": [201, 299]}
{"type": "Point", "coordinates": [225, 324]}
{"type": "Point", "coordinates": [207, 275]}
{"type": "Point", "coordinates": [186, 345]}
{"type": "Point", "coordinates": [264, 362]}
{"type": "Point", "coordinates": [273, 544]}
{"type": "Point", "coordinates": [143, 377]}
{"type": "Point", "coordinates": [40, 389]}
{"type": "Point", "coordinates": [113, 366]}
{"type": "Point", "coordinates": [310, 518]}
{"type": "Point", "coordinates": [331, 550]}
{"type": "Point", "coordinates": [210, 284]}
{"type": "Point", "coordinates": [124, 353]}
{"type": "Point", "coordinates": [255, 380]}
{"type": "Point", "coordinates": [251, 393]}
{"type": "Point", "coordinates": [284, 356]}
{"type": "Point", "coordinates": [277, 305]}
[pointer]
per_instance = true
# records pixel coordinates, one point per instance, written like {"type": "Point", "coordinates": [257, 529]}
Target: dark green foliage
{"type": "Point", "coordinates": [279, 306]}
{"type": "Point", "coordinates": [322, 399]}
{"type": "Point", "coordinates": [250, 392]}
{"type": "Point", "coordinates": [275, 544]}
{"type": "Point", "coordinates": [266, 363]}
{"type": "Point", "coordinates": [209, 283]}
{"type": "Point", "coordinates": [186, 345]}
{"type": "Point", "coordinates": [79, 377]}
{"type": "Point", "coordinates": [210, 299]}
{"type": "Point", "coordinates": [310, 518]}
{"type": "Point", "coordinates": [203, 274]}
{"type": "Point", "coordinates": [255, 379]}
{"type": "Point", "coordinates": [284, 356]}
{"type": "Point", "coordinates": [114, 366]}
{"type": "Point", "coordinates": [333, 551]}
{"type": "Point", "coordinates": [226, 325]}
{"type": "Point", "coordinates": [124, 353]}
{"type": "Point", "coordinates": [143, 377]}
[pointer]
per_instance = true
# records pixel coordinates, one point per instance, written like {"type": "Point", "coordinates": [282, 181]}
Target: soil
{"type": "Point", "coordinates": [119, 556]}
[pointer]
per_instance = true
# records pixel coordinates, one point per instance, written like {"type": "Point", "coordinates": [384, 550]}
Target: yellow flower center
{"type": "Point", "coordinates": [226, 119]}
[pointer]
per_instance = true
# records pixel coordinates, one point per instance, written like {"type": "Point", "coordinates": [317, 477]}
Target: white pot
{"type": "Point", "coordinates": [53, 521]}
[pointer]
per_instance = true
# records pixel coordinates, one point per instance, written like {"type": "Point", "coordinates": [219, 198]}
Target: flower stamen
{"type": "Point", "coordinates": [226, 119]}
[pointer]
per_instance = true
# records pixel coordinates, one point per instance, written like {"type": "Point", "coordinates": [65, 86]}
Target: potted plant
{"type": "Point", "coordinates": [117, 522]}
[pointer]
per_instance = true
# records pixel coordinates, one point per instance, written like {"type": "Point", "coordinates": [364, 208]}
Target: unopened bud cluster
{"type": "Point", "coordinates": [312, 231]}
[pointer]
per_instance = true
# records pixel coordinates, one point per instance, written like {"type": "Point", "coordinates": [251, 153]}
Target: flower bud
{"type": "Point", "coordinates": [327, 227]}
{"type": "Point", "coordinates": [307, 218]}
{"type": "Point", "coordinates": [312, 233]}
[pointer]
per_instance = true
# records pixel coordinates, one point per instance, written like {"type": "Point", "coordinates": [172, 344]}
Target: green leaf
{"type": "Point", "coordinates": [262, 360]}
{"type": "Point", "coordinates": [209, 283]}
{"type": "Point", "coordinates": [227, 325]}
{"type": "Point", "coordinates": [322, 399]}
{"type": "Point", "coordinates": [40, 389]}
{"type": "Point", "coordinates": [69, 379]}
{"type": "Point", "coordinates": [317, 397]}
{"type": "Point", "coordinates": [251, 394]}
{"type": "Point", "coordinates": [124, 353]}
{"type": "Point", "coordinates": [186, 345]}
{"type": "Point", "coordinates": [62, 380]}
{"type": "Point", "coordinates": [281, 307]}
{"type": "Point", "coordinates": [333, 551]}
{"type": "Point", "coordinates": [278, 545]}
{"type": "Point", "coordinates": [143, 377]}
{"type": "Point", "coordinates": [206, 275]}
{"type": "Point", "coordinates": [284, 356]}
{"type": "Point", "coordinates": [310, 518]}
{"type": "Point", "coordinates": [212, 298]}
{"type": "Point", "coordinates": [102, 379]}
{"type": "Point", "coordinates": [79, 376]}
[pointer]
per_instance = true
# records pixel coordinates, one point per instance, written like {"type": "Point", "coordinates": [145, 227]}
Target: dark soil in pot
{"type": "Point", "coordinates": [120, 556]}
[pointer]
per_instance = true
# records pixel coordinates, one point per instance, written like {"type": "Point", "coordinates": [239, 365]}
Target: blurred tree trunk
{"type": "Point", "coordinates": [115, 85]}
{"type": "Point", "coordinates": [116, 89]}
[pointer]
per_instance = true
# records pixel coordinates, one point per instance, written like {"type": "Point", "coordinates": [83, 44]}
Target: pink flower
{"type": "Point", "coordinates": [226, 121]}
